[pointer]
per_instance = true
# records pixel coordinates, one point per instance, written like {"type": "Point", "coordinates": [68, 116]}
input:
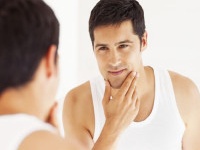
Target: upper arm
{"type": "Point", "coordinates": [78, 116]}
{"type": "Point", "coordinates": [191, 139]}
{"type": "Point", "coordinates": [188, 100]}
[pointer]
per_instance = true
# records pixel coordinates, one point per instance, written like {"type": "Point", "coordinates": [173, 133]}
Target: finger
{"type": "Point", "coordinates": [107, 95]}
{"type": "Point", "coordinates": [134, 97]}
{"type": "Point", "coordinates": [131, 89]}
{"type": "Point", "coordinates": [125, 86]}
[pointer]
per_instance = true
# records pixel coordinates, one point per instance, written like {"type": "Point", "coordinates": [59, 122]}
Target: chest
{"type": "Point", "coordinates": [146, 106]}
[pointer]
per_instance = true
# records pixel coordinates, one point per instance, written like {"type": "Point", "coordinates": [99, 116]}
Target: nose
{"type": "Point", "coordinates": [114, 58]}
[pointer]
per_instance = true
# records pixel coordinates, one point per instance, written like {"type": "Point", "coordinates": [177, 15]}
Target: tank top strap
{"type": "Point", "coordinates": [97, 86]}
{"type": "Point", "coordinates": [167, 90]}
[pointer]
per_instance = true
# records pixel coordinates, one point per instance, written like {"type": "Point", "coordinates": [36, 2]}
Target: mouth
{"type": "Point", "coordinates": [116, 72]}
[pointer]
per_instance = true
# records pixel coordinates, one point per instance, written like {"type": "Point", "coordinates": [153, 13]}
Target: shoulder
{"type": "Point", "coordinates": [78, 96]}
{"type": "Point", "coordinates": [79, 91]}
{"type": "Point", "coordinates": [78, 107]}
{"type": "Point", "coordinates": [187, 95]}
{"type": "Point", "coordinates": [183, 85]}
{"type": "Point", "coordinates": [46, 140]}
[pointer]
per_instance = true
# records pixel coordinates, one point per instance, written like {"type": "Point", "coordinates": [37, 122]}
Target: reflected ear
{"type": "Point", "coordinates": [144, 41]}
{"type": "Point", "coordinates": [50, 59]}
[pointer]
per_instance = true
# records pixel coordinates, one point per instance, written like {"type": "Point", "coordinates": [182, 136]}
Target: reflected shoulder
{"type": "Point", "coordinates": [46, 140]}
{"type": "Point", "coordinates": [78, 115]}
{"type": "Point", "coordinates": [187, 95]}
{"type": "Point", "coordinates": [78, 94]}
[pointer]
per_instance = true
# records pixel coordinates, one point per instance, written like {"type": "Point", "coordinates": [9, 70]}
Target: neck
{"type": "Point", "coordinates": [23, 100]}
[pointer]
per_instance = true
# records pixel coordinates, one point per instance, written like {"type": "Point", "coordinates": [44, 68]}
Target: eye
{"type": "Point", "coordinates": [103, 48]}
{"type": "Point", "coordinates": [123, 46]}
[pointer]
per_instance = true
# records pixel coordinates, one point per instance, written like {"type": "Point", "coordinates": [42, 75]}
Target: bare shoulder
{"type": "Point", "coordinates": [78, 99]}
{"type": "Point", "coordinates": [78, 94]}
{"type": "Point", "coordinates": [78, 113]}
{"type": "Point", "coordinates": [46, 140]}
{"type": "Point", "coordinates": [187, 95]}
{"type": "Point", "coordinates": [182, 83]}
{"type": "Point", "coordinates": [184, 86]}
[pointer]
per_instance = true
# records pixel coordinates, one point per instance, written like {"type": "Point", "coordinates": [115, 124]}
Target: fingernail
{"type": "Point", "coordinates": [134, 73]}
{"type": "Point", "coordinates": [137, 75]}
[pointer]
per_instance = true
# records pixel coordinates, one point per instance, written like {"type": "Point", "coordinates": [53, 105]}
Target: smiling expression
{"type": "Point", "coordinates": [118, 51]}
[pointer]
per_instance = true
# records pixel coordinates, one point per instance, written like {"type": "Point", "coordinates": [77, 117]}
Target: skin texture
{"type": "Point", "coordinates": [118, 52]}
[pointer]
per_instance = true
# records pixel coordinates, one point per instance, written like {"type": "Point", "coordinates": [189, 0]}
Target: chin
{"type": "Point", "coordinates": [116, 84]}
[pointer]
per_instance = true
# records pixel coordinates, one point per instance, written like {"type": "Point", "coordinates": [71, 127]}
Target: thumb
{"type": "Point", "coordinates": [106, 97]}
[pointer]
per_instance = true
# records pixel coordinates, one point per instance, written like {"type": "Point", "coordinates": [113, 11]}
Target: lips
{"type": "Point", "coordinates": [116, 72]}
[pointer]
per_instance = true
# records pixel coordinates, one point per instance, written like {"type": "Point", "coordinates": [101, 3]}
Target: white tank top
{"type": "Point", "coordinates": [15, 128]}
{"type": "Point", "coordinates": [163, 129]}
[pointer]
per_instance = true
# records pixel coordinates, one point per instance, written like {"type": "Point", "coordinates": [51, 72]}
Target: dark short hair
{"type": "Point", "coordinates": [27, 29]}
{"type": "Point", "coordinates": [111, 12]}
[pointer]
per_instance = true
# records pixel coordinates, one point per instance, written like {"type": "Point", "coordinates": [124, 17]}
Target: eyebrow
{"type": "Point", "coordinates": [118, 43]}
{"type": "Point", "coordinates": [98, 45]}
{"type": "Point", "coordinates": [122, 42]}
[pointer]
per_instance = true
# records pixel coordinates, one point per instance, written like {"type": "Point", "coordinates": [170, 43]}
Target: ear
{"type": "Point", "coordinates": [144, 41]}
{"type": "Point", "coordinates": [51, 61]}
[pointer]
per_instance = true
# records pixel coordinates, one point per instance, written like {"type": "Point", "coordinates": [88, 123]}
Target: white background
{"type": "Point", "coordinates": [173, 28]}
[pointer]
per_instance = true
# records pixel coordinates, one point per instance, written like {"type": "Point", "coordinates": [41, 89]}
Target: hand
{"type": "Point", "coordinates": [122, 109]}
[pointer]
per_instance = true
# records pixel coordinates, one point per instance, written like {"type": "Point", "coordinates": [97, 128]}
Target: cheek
{"type": "Point", "coordinates": [128, 57]}
{"type": "Point", "coordinates": [102, 65]}
{"type": "Point", "coordinates": [132, 60]}
{"type": "Point", "coordinates": [101, 61]}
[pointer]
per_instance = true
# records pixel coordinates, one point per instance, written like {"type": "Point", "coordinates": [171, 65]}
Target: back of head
{"type": "Point", "coordinates": [27, 29]}
{"type": "Point", "coordinates": [112, 12]}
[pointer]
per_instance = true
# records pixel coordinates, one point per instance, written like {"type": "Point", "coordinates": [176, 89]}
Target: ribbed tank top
{"type": "Point", "coordinates": [163, 129]}
{"type": "Point", "coordinates": [15, 128]}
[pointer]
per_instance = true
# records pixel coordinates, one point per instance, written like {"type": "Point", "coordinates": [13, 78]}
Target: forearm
{"type": "Point", "coordinates": [107, 139]}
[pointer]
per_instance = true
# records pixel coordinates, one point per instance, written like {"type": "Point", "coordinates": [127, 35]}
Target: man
{"type": "Point", "coordinates": [29, 33]}
{"type": "Point", "coordinates": [169, 111]}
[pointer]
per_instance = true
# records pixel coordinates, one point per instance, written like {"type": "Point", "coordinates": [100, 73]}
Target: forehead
{"type": "Point", "coordinates": [114, 33]}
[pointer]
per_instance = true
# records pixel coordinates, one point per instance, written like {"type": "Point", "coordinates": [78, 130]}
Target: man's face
{"type": "Point", "coordinates": [118, 51]}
